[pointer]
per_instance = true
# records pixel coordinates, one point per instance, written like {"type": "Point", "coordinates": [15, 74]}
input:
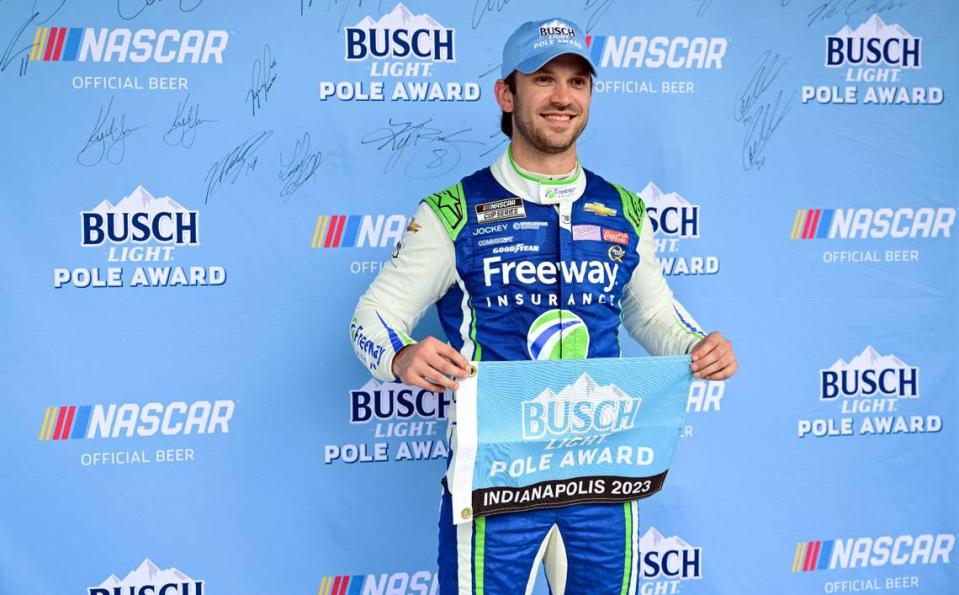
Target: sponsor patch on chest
{"type": "Point", "coordinates": [611, 235]}
{"type": "Point", "coordinates": [500, 210]}
{"type": "Point", "coordinates": [586, 232]}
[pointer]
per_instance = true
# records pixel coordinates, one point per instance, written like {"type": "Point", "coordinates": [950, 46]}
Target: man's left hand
{"type": "Point", "coordinates": [713, 358]}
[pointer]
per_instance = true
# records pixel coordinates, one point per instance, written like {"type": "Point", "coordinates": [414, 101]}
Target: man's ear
{"type": "Point", "coordinates": [504, 97]}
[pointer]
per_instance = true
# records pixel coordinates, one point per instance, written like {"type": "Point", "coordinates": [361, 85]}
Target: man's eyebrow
{"type": "Point", "coordinates": [549, 70]}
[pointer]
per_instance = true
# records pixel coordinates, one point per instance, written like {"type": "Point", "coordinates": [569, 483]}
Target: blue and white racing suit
{"type": "Point", "coordinates": [519, 266]}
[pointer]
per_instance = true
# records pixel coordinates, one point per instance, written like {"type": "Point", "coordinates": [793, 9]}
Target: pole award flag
{"type": "Point", "coordinates": [540, 434]}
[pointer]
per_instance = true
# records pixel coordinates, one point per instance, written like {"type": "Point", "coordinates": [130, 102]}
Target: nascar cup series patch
{"type": "Point", "coordinates": [500, 210]}
{"type": "Point", "coordinates": [543, 434]}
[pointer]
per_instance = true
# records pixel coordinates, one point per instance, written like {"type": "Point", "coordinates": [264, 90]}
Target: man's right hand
{"type": "Point", "coordinates": [429, 364]}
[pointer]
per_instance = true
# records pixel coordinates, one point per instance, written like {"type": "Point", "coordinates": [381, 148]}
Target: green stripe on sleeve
{"type": "Point", "coordinates": [633, 207]}
{"type": "Point", "coordinates": [450, 206]}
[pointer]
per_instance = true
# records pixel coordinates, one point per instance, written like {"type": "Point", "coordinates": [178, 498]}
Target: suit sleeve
{"type": "Point", "coordinates": [651, 314]}
{"type": "Point", "coordinates": [420, 272]}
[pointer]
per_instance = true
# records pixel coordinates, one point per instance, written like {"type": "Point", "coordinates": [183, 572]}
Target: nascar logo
{"type": "Point", "coordinates": [639, 51]}
{"type": "Point", "coordinates": [866, 552]}
{"type": "Point", "coordinates": [358, 231]}
{"type": "Point", "coordinates": [69, 422]}
{"type": "Point", "coordinates": [864, 223]}
{"type": "Point", "coordinates": [397, 583]}
{"type": "Point", "coordinates": [74, 44]}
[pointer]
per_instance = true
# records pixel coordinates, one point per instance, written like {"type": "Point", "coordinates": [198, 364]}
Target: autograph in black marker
{"type": "Point", "coordinates": [108, 139]}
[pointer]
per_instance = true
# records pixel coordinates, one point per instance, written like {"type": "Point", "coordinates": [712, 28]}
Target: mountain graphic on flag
{"type": "Point", "coordinates": [585, 388]}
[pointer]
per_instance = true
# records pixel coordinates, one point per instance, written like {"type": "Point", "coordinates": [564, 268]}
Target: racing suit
{"type": "Point", "coordinates": [518, 265]}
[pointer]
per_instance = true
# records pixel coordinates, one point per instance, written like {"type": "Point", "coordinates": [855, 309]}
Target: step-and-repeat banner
{"type": "Point", "coordinates": [196, 192]}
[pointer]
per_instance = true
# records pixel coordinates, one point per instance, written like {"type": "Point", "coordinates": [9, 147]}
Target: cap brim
{"type": "Point", "coordinates": [531, 65]}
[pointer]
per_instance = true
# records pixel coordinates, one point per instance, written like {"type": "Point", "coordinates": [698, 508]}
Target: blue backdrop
{"type": "Point", "coordinates": [196, 193]}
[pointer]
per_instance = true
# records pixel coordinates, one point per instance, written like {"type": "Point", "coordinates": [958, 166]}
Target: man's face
{"type": "Point", "coordinates": [551, 106]}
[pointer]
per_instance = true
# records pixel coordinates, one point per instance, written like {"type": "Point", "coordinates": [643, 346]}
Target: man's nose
{"type": "Point", "coordinates": [560, 94]}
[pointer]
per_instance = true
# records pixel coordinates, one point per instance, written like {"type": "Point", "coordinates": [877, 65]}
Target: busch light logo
{"type": "Point", "coordinates": [558, 334]}
{"type": "Point", "coordinates": [400, 35]}
{"type": "Point", "coordinates": [870, 375]}
{"type": "Point", "coordinates": [140, 218]}
{"type": "Point", "coordinates": [670, 213]}
{"type": "Point", "coordinates": [874, 43]}
{"type": "Point", "coordinates": [401, 49]}
{"type": "Point", "coordinates": [148, 579]}
{"type": "Point", "coordinates": [556, 28]}
{"type": "Point", "coordinates": [583, 407]}
{"type": "Point", "coordinates": [405, 423]}
{"type": "Point", "coordinates": [141, 234]}
{"type": "Point", "coordinates": [387, 401]}
{"type": "Point", "coordinates": [869, 393]}
{"type": "Point", "coordinates": [667, 559]}
{"type": "Point", "coordinates": [675, 220]}
{"type": "Point", "coordinates": [873, 552]}
{"type": "Point", "coordinates": [874, 60]}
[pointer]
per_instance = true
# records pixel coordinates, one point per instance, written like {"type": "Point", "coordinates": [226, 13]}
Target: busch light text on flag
{"type": "Point", "coordinates": [536, 434]}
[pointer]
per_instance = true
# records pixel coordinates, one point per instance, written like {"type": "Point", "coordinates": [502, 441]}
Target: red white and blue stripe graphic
{"type": "Point", "coordinates": [65, 422]}
{"type": "Point", "coordinates": [812, 555]}
{"type": "Point", "coordinates": [596, 43]}
{"type": "Point", "coordinates": [812, 224]}
{"type": "Point", "coordinates": [336, 231]}
{"type": "Point", "coordinates": [56, 44]}
{"type": "Point", "coordinates": [341, 585]}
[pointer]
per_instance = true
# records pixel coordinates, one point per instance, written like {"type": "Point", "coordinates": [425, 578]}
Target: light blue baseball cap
{"type": "Point", "coordinates": [535, 43]}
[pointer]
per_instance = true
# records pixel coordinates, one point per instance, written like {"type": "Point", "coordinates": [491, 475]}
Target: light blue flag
{"type": "Point", "coordinates": [542, 434]}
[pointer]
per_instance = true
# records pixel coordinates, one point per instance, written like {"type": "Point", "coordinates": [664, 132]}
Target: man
{"type": "Point", "coordinates": [519, 258]}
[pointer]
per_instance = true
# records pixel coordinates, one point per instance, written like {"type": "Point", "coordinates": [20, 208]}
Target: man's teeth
{"type": "Point", "coordinates": [557, 117]}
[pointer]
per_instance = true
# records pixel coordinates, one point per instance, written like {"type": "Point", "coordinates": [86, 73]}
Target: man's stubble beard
{"type": "Point", "coordinates": [526, 127]}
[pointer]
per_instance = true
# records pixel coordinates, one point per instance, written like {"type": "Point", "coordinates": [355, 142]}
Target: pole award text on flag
{"type": "Point", "coordinates": [540, 434]}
